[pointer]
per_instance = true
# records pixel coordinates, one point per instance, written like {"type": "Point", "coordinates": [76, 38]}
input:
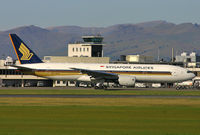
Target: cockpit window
{"type": "Point", "coordinates": [189, 71]}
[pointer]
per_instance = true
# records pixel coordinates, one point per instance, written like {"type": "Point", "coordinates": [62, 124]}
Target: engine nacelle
{"type": "Point", "coordinates": [126, 80]}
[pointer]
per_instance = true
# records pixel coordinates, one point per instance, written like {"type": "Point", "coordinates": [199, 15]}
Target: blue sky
{"type": "Point", "coordinates": [95, 13]}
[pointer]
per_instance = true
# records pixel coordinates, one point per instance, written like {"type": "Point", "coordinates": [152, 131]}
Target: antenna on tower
{"type": "Point", "coordinates": [172, 54]}
{"type": "Point", "coordinates": [158, 54]}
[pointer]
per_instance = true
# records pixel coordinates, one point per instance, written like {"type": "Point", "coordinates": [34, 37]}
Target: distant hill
{"type": "Point", "coordinates": [122, 39]}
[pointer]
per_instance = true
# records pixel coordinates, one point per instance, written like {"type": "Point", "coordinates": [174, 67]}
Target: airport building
{"type": "Point", "coordinates": [90, 50]}
{"type": "Point", "coordinates": [184, 57]}
{"type": "Point", "coordinates": [139, 58]}
{"type": "Point", "coordinates": [10, 77]}
{"type": "Point", "coordinates": [189, 60]}
{"type": "Point", "coordinates": [91, 47]}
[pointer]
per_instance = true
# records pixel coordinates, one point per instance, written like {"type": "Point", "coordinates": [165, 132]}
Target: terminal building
{"type": "Point", "coordinates": [10, 77]}
{"type": "Point", "coordinates": [139, 58]}
{"type": "Point", "coordinates": [184, 57]}
{"type": "Point", "coordinates": [189, 60]}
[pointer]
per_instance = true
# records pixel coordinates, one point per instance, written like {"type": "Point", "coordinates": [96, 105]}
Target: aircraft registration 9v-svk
{"type": "Point", "coordinates": [122, 74]}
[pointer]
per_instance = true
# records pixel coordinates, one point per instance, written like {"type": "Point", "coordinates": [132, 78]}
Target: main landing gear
{"type": "Point", "coordinates": [100, 86]}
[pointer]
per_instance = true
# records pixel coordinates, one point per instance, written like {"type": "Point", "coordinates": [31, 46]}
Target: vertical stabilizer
{"type": "Point", "coordinates": [24, 54]}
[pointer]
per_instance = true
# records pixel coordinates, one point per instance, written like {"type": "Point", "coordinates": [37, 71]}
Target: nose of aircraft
{"type": "Point", "coordinates": [191, 75]}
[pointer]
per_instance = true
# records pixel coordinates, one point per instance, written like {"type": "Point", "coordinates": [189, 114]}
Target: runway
{"type": "Point", "coordinates": [90, 96]}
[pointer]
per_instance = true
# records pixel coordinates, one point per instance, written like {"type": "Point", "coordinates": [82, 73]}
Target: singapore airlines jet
{"type": "Point", "coordinates": [122, 74]}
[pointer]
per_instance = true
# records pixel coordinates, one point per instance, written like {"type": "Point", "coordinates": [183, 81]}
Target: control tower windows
{"type": "Point", "coordinates": [93, 39]}
{"type": "Point", "coordinates": [96, 51]}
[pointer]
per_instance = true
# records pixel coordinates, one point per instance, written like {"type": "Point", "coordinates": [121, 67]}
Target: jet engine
{"type": "Point", "coordinates": [126, 80]}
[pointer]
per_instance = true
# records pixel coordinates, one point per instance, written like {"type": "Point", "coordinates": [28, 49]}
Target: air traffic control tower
{"type": "Point", "coordinates": [91, 47]}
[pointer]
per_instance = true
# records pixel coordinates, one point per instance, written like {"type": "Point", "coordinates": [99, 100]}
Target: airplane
{"type": "Point", "coordinates": [97, 74]}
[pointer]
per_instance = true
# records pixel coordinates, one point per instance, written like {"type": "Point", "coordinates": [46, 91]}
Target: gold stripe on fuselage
{"type": "Point", "coordinates": [71, 72]}
{"type": "Point", "coordinates": [143, 73]}
{"type": "Point", "coordinates": [56, 73]}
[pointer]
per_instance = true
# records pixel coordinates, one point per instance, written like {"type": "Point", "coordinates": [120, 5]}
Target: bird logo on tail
{"type": "Point", "coordinates": [26, 55]}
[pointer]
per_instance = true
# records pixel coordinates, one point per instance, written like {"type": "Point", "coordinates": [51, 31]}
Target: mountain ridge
{"type": "Point", "coordinates": [121, 39]}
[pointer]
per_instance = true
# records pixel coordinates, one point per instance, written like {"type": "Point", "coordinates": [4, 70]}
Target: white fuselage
{"type": "Point", "coordinates": [141, 72]}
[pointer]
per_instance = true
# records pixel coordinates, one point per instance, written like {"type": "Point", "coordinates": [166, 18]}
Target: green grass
{"type": "Point", "coordinates": [101, 92]}
{"type": "Point", "coordinates": [99, 116]}
{"type": "Point", "coordinates": [98, 120]}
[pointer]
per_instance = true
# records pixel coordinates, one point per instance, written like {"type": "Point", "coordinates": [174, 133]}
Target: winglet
{"type": "Point", "coordinates": [24, 54]}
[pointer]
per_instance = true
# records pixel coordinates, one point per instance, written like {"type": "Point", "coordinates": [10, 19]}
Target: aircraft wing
{"type": "Point", "coordinates": [25, 70]}
{"type": "Point", "coordinates": [20, 67]}
{"type": "Point", "coordinates": [98, 74]}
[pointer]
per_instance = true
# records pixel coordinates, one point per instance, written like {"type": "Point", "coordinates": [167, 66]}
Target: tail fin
{"type": "Point", "coordinates": [24, 54]}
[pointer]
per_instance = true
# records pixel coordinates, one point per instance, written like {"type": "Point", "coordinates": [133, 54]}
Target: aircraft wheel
{"type": "Point", "coordinates": [105, 87]}
{"type": "Point", "coordinates": [178, 87]}
{"type": "Point", "coordinates": [96, 87]}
